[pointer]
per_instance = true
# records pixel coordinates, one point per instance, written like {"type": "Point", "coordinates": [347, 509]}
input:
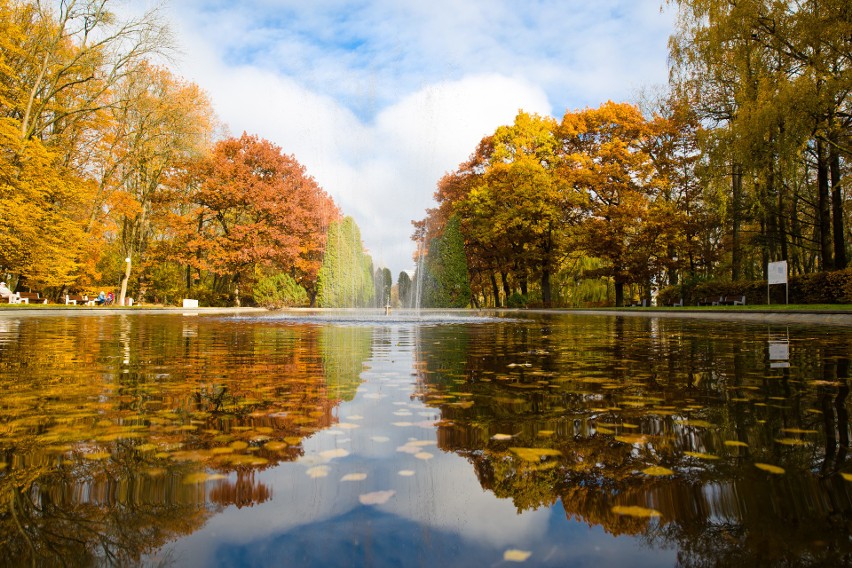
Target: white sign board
{"type": "Point", "coordinates": [777, 272]}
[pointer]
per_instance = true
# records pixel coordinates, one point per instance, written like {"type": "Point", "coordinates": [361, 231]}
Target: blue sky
{"type": "Point", "coordinates": [379, 98]}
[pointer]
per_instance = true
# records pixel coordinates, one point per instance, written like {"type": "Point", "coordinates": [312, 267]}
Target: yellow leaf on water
{"type": "Point", "coordinates": [223, 450]}
{"type": "Point", "coordinates": [97, 456]}
{"type": "Point", "coordinates": [846, 476]}
{"type": "Point", "coordinates": [239, 445]}
{"type": "Point", "coordinates": [514, 555]}
{"type": "Point", "coordinates": [791, 442]}
{"type": "Point", "coordinates": [635, 511]}
{"type": "Point", "coordinates": [423, 456]}
{"type": "Point", "coordinates": [657, 470]}
{"type": "Point", "coordinates": [146, 447]}
{"type": "Point", "coordinates": [696, 423]}
{"type": "Point", "coordinates": [701, 455]}
{"type": "Point", "coordinates": [376, 497]}
{"type": "Point", "coordinates": [798, 431]}
{"type": "Point", "coordinates": [546, 433]}
{"type": "Point", "coordinates": [534, 454]}
{"type": "Point", "coordinates": [405, 472]}
{"type": "Point", "coordinates": [293, 440]}
{"type": "Point", "coordinates": [770, 468]}
{"type": "Point", "coordinates": [736, 444]}
{"type": "Point", "coordinates": [275, 446]}
{"type": "Point", "coordinates": [604, 430]}
{"type": "Point", "coordinates": [630, 439]}
{"type": "Point", "coordinates": [499, 437]}
{"type": "Point", "coordinates": [201, 477]}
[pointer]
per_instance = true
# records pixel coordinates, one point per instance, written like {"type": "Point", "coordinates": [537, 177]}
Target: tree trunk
{"type": "Point", "coordinates": [736, 210]}
{"type": "Point", "coordinates": [619, 294]}
{"type": "Point", "coordinates": [506, 291]}
{"type": "Point", "coordinates": [823, 208]}
{"type": "Point", "coordinates": [545, 288]}
{"type": "Point", "coordinates": [837, 210]}
{"type": "Point", "coordinates": [495, 290]}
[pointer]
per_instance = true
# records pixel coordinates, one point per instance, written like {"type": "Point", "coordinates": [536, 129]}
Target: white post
{"type": "Point", "coordinates": [124, 281]}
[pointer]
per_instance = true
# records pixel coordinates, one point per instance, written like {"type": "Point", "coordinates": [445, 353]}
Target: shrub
{"type": "Point", "coordinates": [817, 288]}
{"type": "Point", "coordinates": [517, 300]}
{"type": "Point", "coordinates": [279, 291]}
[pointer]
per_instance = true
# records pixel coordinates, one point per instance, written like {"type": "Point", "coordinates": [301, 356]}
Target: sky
{"type": "Point", "coordinates": [379, 98]}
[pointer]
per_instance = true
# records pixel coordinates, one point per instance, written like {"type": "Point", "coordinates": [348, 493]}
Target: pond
{"type": "Point", "coordinates": [527, 439]}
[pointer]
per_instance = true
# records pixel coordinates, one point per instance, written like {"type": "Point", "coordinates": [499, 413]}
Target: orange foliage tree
{"type": "Point", "coordinates": [254, 211]}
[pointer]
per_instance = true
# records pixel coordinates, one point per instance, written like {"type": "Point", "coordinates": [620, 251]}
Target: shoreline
{"type": "Point", "coordinates": [809, 317]}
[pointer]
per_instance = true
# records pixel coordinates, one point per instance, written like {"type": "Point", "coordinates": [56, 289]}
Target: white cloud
{"type": "Point", "coordinates": [379, 98]}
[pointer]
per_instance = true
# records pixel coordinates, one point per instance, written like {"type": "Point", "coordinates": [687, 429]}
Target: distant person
{"type": "Point", "coordinates": [101, 299]}
{"type": "Point", "coordinates": [8, 295]}
{"type": "Point", "coordinates": [110, 299]}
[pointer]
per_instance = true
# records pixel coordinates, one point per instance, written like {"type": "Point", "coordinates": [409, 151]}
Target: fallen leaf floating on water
{"type": "Point", "coordinates": [97, 456]}
{"type": "Point", "coordinates": [405, 472]}
{"type": "Point", "coordinates": [423, 456]}
{"type": "Point", "coordinates": [500, 437]}
{"type": "Point", "coordinates": [695, 423]}
{"type": "Point", "coordinates": [798, 431]}
{"type": "Point", "coordinates": [846, 476]}
{"type": "Point", "coordinates": [376, 497]}
{"type": "Point", "coordinates": [335, 453]}
{"type": "Point", "coordinates": [318, 471]}
{"type": "Point", "coordinates": [534, 454]}
{"type": "Point", "coordinates": [628, 439]}
{"type": "Point", "coordinates": [354, 477]}
{"type": "Point", "coordinates": [736, 444]}
{"type": "Point", "coordinates": [701, 455]}
{"type": "Point", "coordinates": [792, 442]}
{"type": "Point", "coordinates": [657, 470]}
{"type": "Point", "coordinates": [515, 555]}
{"type": "Point", "coordinates": [635, 511]}
{"type": "Point", "coordinates": [770, 468]}
{"type": "Point", "coordinates": [194, 478]}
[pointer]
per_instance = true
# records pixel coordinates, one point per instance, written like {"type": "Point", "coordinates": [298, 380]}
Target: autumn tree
{"type": "Point", "coordinates": [163, 124]}
{"type": "Point", "coordinates": [59, 65]}
{"type": "Point", "coordinates": [345, 278]}
{"type": "Point", "coordinates": [772, 80]}
{"type": "Point", "coordinates": [254, 207]}
{"type": "Point", "coordinates": [604, 158]}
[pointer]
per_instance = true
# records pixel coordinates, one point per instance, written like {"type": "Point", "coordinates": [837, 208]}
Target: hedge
{"type": "Point", "coordinates": [817, 288]}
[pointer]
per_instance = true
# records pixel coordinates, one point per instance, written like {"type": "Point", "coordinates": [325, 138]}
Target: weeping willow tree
{"type": "Point", "coordinates": [580, 284]}
{"type": "Point", "coordinates": [346, 276]}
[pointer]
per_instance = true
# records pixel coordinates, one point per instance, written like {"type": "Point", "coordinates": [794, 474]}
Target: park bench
{"type": "Point", "coordinates": [676, 304]}
{"type": "Point", "coordinates": [710, 301]}
{"type": "Point", "coordinates": [77, 299]}
{"type": "Point", "coordinates": [32, 298]}
{"type": "Point", "coordinates": [732, 301]}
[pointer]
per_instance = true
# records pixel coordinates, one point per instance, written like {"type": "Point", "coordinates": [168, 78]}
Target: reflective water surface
{"type": "Point", "coordinates": [545, 440]}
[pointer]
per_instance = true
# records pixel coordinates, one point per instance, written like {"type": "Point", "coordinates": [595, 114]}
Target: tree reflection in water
{"type": "Point", "coordinates": [120, 434]}
{"type": "Point", "coordinates": [700, 400]}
